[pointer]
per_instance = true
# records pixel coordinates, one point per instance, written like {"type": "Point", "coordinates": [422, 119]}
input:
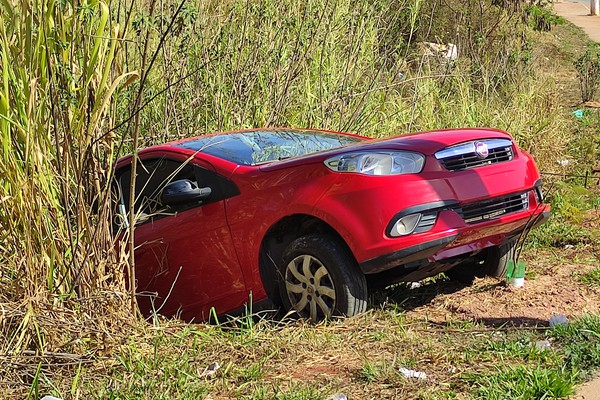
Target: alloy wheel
{"type": "Point", "coordinates": [310, 288]}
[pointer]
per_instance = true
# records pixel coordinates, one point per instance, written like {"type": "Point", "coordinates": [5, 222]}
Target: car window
{"type": "Point", "coordinates": [152, 176]}
{"type": "Point", "coordinates": [257, 147]}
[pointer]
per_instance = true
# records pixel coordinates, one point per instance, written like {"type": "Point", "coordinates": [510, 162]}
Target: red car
{"type": "Point", "coordinates": [306, 218]}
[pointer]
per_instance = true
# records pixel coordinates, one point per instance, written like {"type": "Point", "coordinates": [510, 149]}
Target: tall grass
{"type": "Point", "coordinates": [344, 66]}
{"type": "Point", "coordinates": [60, 277]}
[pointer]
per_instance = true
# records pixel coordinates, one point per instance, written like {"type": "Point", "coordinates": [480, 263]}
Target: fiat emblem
{"type": "Point", "coordinates": [481, 150]}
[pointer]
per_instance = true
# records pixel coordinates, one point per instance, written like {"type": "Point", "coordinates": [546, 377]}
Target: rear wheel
{"type": "Point", "coordinates": [494, 263]}
{"type": "Point", "coordinates": [320, 279]}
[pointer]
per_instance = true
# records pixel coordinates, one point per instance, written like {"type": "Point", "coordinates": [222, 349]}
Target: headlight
{"type": "Point", "coordinates": [377, 163]}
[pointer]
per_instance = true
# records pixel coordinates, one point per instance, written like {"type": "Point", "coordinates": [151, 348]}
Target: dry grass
{"type": "Point", "coordinates": [61, 282]}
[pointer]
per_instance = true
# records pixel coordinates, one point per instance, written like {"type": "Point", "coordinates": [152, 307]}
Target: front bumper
{"type": "Point", "coordinates": [464, 240]}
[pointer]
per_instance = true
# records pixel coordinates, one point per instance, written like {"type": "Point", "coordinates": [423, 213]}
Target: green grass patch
{"type": "Point", "coordinates": [523, 383]}
{"type": "Point", "coordinates": [591, 278]}
{"type": "Point", "coordinates": [571, 207]}
{"type": "Point", "coordinates": [580, 342]}
{"type": "Point", "coordinates": [530, 373]}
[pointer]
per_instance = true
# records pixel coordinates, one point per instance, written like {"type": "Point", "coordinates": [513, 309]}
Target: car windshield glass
{"type": "Point", "coordinates": [257, 147]}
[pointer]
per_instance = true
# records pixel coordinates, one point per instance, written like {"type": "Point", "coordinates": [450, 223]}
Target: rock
{"type": "Point", "coordinates": [558, 320]}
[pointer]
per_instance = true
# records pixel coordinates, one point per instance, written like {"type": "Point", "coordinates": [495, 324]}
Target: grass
{"type": "Point", "coordinates": [572, 222]}
{"type": "Point", "coordinates": [524, 383]}
{"type": "Point", "coordinates": [57, 253]}
{"type": "Point", "coordinates": [591, 278]}
{"type": "Point", "coordinates": [341, 73]}
{"type": "Point", "coordinates": [581, 342]}
{"type": "Point", "coordinates": [298, 360]}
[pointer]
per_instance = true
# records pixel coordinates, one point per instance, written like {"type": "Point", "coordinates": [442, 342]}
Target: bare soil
{"type": "Point", "coordinates": [552, 288]}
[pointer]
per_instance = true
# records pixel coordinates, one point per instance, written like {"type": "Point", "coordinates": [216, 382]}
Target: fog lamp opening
{"type": "Point", "coordinates": [405, 225]}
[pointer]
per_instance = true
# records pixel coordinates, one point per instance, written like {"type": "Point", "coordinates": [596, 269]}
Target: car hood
{"type": "Point", "coordinates": [426, 143]}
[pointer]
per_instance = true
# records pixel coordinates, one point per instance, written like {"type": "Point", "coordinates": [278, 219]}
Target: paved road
{"type": "Point", "coordinates": [584, 2]}
{"type": "Point", "coordinates": [578, 12]}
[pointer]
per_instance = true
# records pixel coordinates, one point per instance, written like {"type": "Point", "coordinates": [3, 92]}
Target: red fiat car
{"type": "Point", "coordinates": [309, 219]}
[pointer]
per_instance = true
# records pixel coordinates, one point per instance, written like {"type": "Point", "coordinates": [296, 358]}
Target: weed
{"type": "Point", "coordinates": [252, 373]}
{"type": "Point", "coordinates": [520, 347]}
{"type": "Point", "coordinates": [559, 233]}
{"type": "Point", "coordinates": [588, 67]}
{"type": "Point", "coordinates": [523, 382]}
{"type": "Point", "coordinates": [541, 17]}
{"type": "Point", "coordinates": [591, 278]}
{"type": "Point", "coordinates": [580, 341]}
{"type": "Point", "coordinates": [368, 372]}
{"type": "Point", "coordinates": [570, 206]}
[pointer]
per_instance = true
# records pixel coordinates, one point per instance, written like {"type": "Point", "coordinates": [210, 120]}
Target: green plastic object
{"type": "Point", "coordinates": [515, 270]}
{"type": "Point", "coordinates": [510, 268]}
{"type": "Point", "coordinates": [520, 270]}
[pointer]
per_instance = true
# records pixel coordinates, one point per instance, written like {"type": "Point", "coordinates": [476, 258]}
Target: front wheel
{"type": "Point", "coordinates": [320, 279]}
{"type": "Point", "coordinates": [494, 264]}
{"type": "Point", "coordinates": [497, 259]}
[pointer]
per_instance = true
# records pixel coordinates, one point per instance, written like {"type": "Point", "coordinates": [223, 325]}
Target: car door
{"type": "Point", "coordinates": [184, 254]}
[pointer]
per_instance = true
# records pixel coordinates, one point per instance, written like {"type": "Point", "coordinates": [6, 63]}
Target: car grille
{"type": "Point", "coordinates": [494, 208]}
{"type": "Point", "coordinates": [465, 156]}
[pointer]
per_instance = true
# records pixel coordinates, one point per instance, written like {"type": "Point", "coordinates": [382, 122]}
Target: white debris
{"type": "Point", "coordinates": [412, 374]}
{"type": "Point", "coordinates": [559, 319]}
{"type": "Point", "coordinates": [339, 396]}
{"type": "Point", "coordinates": [448, 52]}
{"type": "Point", "coordinates": [415, 285]}
{"type": "Point", "coordinates": [542, 345]}
{"type": "Point", "coordinates": [452, 52]}
{"type": "Point", "coordinates": [564, 163]}
{"type": "Point", "coordinates": [210, 371]}
{"type": "Point", "coordinates": [48, 397]}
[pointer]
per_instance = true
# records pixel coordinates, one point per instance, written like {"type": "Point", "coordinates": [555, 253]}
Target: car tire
{"type": "Point", "coordinates": [494, 264]}
{"type": "Point", "coordinates": [319, 279]}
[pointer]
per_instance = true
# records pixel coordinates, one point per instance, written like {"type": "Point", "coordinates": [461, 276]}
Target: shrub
{"type": "Point", "coordinates": [588, 68]}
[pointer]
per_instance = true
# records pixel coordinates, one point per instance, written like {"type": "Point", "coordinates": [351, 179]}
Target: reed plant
{"type": "Point", "coordinates": [61, 282]}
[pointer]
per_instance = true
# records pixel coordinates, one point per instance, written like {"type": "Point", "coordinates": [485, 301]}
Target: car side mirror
{"type": "Point", "coordinates": [183, 191]}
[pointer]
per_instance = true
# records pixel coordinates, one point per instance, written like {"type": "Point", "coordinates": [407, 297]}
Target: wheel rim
{"type": "Point", "coordinates": [310, 288]}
